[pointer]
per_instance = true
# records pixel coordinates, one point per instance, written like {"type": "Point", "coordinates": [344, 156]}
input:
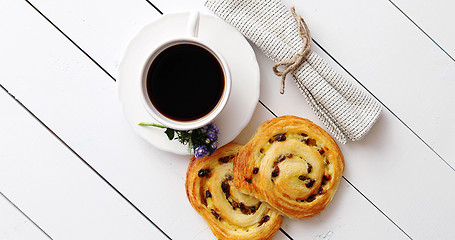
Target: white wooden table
{"type": "Point", "coordinates": [72, 168]}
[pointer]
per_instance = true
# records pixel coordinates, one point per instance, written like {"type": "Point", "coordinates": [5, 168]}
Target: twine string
{"type": "Point", "coordinates": [291, 65]}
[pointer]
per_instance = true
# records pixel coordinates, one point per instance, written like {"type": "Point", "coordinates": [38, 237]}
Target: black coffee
{"type": "Point", "coordinates": [185, 82]}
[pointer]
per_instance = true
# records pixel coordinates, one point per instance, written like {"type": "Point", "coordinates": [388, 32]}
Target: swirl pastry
{"type": "Point", "coordinates": [229, 213]}
{"type": "Point", "coordinates": [292, 164]}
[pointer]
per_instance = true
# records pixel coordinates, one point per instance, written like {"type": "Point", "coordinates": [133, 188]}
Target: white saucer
{"type": "Point", "coordinates": [222, 36]}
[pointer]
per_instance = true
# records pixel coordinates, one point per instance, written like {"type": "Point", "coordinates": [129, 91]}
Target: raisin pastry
{"type": "Point", "coordinates": [292, 164]}
{"type": "Point", "coordinates": [229, 213]}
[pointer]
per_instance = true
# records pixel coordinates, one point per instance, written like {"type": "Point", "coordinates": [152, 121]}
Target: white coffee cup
{"type": "Point", "coordinates": [192, 39]}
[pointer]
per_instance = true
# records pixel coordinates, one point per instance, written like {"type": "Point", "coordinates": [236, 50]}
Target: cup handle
{"type": "Point", "coordinates": [193, 24]}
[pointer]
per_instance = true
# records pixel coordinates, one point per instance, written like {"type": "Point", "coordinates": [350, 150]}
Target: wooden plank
{"type": "Point", "coordinates": [433, 18]}
{"type": "Point", "coordinates": [14, 225]}
{"type": "Point", "coordinates": [49, 183]}
{"type": "Point", "coordinates": [103, 38]}
{"type": "Point", "coordinates": [151, 179]}
{"type": "Point", "coordinates": [393, 59]}
{"type": "Point", "coordinates": [38, 173]}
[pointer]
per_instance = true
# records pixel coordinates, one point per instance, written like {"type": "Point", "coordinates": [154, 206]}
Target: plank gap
{"type": "Point", "coordinates": [23, 213]}
{"type": "Point", "coordinates": [387, 108]}
{"type": "Point", "coordinates": [156, 8]}
{"type": "Point", "coordinates": [286, 234]}
{"type": "Point", "coordinates": [268, 109]}
{"type": "Point", "coordinates": [85, 162]}
{"type": "Point", "coordinates": [67, 37]}
{"type": "Point", "coordinates": [415, 24]}
{"type": "Point", "coordinates": [376, 207]}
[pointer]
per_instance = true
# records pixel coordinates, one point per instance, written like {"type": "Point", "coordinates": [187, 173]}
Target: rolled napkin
{"type": "Point", "coordinates": [282, 35]}
{"type": "Point", "coordinates": [229, 213]}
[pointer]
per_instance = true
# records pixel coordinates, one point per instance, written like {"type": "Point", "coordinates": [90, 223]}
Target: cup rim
{"type": "Point", "coordinates": [176, 124]}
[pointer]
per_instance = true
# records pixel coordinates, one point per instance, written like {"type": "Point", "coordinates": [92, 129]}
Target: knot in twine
{"type": "Point", "coordinates": [294, 63]}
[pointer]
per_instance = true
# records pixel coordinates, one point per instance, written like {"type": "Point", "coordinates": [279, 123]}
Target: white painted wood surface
{"type": "Point", "coordinates": [14, 225]}
{"type": "Point", "coordinates": [433, 18]}
{"type": "Point", "coordinates": [70, 162]}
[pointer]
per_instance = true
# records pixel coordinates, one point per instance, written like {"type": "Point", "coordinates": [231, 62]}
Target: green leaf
{"type": "Point", "coordinates": [170, 133]}
{"type": "Point", "coordinates": [190, 147]}
{"type": "Point", "coordinates": [151, 124]}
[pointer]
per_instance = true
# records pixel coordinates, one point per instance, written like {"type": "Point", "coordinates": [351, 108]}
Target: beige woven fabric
{"type": "Point", "coordinates": [346, 111]}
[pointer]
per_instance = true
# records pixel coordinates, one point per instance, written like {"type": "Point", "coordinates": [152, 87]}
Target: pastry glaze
{"type": "Point", "coordinates": [292, 164]}
{"type": "Point", "coordinates": [229, 213]}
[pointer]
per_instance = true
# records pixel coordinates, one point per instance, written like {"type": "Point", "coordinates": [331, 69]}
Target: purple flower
{"type": "Point", "coordinates": [214, 145]}
{"type": "Point", "coordinates": [212, 134]}
{"type": "Point", "coordinates": [212, 131]}
{"type": "Point", "coordinates": [200, 151]}
{"type": "Point", "coordinates": [204, 128]}
{"type": "Point", "coordinates": [214, 128]}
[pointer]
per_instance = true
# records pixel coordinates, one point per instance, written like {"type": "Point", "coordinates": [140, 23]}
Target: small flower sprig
{"type": "Point", "coordinates": [202, 141]}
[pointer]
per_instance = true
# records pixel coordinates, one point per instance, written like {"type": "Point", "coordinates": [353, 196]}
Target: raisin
{"type": "Point", "coordinates": [255, 170]}
{"type": "Point", "coordinates": [203, 172]}
{"type": "Point", "coordinates": [224, 159]}
{"type": "Point", "coordinates": [304, 135]}
{"type": "Point", "coordinates": [321, 151]}
{"type": "Point", "coordinates": [253, 209]}
{"type": "Point", "coordinates": [230, 177]}
{"type": "Point", "coordinates": [310, 183]}
{"type": "Point", "coordinates": [290, 155]}
{"type": "Point", "coordinates": [235, 205]}
{"type": "Point", "coordinates": [243, 209]}
{"type": "Point", "coordinates": [276, 171]}
{"type": "Point", "coordinates": [310, 142]}
{"type": "Point", "coordinates": [280, 158]}
{"type": "Point", "coordinates": [311, 198]}
{"type": "Point", "coordinates": [310, 168]}
{"type": "Point", "coordinates": [215, 214]}
{"type": "Point", "coordinates": [208, 194]}
{"type": "Point", "coordinates": [204, 199]}
{"type": "Point", "coordinates": [280, 137]}
{"type": "Point", "coordinates": [226, 188]}
{"type": "Point", "coordinates": [248, 180]}
{"type": "Point", "coordinates": [302, 177]}
{"type": "Point", "coordinates": [321, 190]}
{"type": "Point", "coordinates": [325, 179]}
{"type": "Point", "coordinates": [266, 218]}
